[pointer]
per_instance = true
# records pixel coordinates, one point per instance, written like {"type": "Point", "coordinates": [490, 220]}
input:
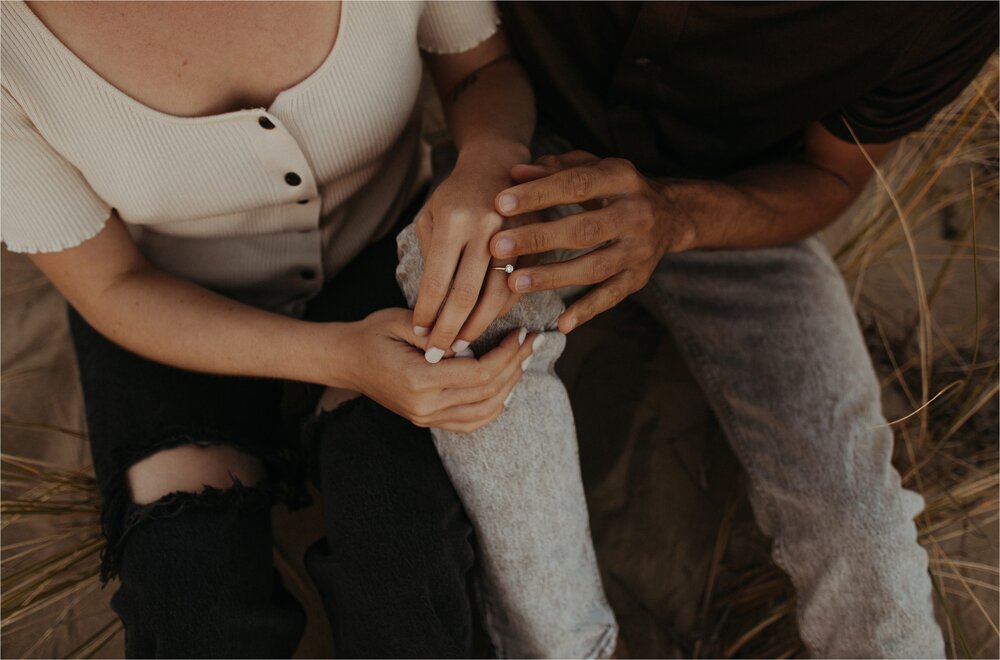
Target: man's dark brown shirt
{"type": "Point", "coordinates": [703, 89]}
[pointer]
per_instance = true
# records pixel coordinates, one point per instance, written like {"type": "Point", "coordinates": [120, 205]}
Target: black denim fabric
{"type": "Point", "coordinates": [388, 514]}
{"type": "Point", "coordinates": [197, 581]}
{"type": "Point", "coordinates": [136, 407]}
{"type": "Point", "coordinates": [196, 573]}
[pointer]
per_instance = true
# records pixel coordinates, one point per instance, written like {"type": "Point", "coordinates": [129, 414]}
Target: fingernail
{"type": "Point", "coordinates": [539, 340]}
{"type": "Point", "coordinates": [507, 202]}
{"type": "Point", "coordinates": [420, 330]}
{"type": "Point", "coordinates": [505, 247]}
{"type": "Point", "coordinates": [433, 355]}
{"type": "Point", "coordinates": [524, 365]}
{"type": "Point", "coordinates": [507, 400]}
{"type": "Point", "coordinates": [466, 353]}
{"type": "Point", "coordinates": [521, 335]}
{"type": "Point", "coordinates": [570, 323]}
{"type": "Point", "coordinates": [460, 345]}
{"type": "Point", "coordinates": [522, 282]}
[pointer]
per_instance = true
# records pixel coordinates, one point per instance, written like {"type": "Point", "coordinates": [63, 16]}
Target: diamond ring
{"type": "Point", "coordinates": [509, 268]}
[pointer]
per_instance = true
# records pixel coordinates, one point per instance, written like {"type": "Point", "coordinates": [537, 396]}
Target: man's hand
{"type": "Point", "coordinates": [634, 220]}
{"type": "Point", "coordinates": [628, 219]}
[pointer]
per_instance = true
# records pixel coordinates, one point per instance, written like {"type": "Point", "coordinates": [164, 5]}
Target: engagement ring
{"type": "Point", "coordinates": [509, 268]}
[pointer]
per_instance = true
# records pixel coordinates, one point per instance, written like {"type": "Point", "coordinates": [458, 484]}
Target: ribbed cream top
{"type": "Point", "coordinates": [262, 204]}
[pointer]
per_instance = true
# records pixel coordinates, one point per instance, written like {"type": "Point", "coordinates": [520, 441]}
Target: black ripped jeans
{"type": "Point", "coordinates": [196, 573]}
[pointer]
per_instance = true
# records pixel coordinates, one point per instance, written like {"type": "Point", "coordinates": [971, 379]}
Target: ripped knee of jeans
{"type": "Point", "coordinates": [181, 475]}
{"type": "Point", "coordinates": [190, 468]}
{"type": "Point", "coordinates": [332, 398]}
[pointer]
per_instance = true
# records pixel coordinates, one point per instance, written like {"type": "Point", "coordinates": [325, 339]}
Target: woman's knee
{"type": "Point", "coordinates": [194, 557]}
{"type": "Point", "coordinates": [190, 468]}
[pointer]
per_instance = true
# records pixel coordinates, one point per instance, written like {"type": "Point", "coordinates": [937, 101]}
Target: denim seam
{"type": "Point", "coordinates": [606, 646]}
{"type": "Point", "coordinates": [489, 619]}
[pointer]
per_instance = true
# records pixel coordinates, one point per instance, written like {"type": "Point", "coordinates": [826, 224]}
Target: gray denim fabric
{"type": "Point", "coordinates": [519, 480]}
{"type": "Point", "coordinates": [772, 338]}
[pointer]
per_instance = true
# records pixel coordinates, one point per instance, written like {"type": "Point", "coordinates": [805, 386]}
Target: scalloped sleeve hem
{"type": "Point", "coordinates": [47, 205]}
{"type": "Point", "coordinates": [447, 28]}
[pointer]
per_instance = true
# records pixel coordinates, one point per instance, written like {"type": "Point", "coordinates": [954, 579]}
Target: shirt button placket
{"type": "Point", "coordinates": [282, 155]}
{"type": "Point", "coordinates": [279, 149]}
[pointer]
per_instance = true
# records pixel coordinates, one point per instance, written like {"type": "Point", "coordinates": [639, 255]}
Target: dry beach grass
{"type": "Point", "coordinates": [919, 251]}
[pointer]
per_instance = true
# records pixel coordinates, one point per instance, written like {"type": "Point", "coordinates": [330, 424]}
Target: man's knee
{"type": "Point", "coordinates": [190, 468]}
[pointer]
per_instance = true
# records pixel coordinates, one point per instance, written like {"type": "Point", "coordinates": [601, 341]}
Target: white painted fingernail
{"type": "Point", "coordinates": [521, 335]}
{"type": "Point", "coordinates": [420, 330]}
{"type": "Point", "coordinates": [539, 340]}
{"type": "Point", "coordinates": [510, 395]}
{"type": "Point", "coordinates": [466, 353]}
{"type": "Point", "coordinates": [433, 355]}
{"type": "Point", "coordinates": [460, 346]}
{"type": "Point", "coordinates": [524, 365]}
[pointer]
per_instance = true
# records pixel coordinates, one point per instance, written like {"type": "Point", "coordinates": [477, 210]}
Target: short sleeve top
{"type": "Point", "coordinates": [262, 204]}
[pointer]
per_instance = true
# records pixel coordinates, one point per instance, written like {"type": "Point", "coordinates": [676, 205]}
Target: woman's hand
{"type": "Point", "coordinates": [109, 282]}
{"type": "Point", "coordinates": [454, 229]}
{"type": "Point", "coordinates": [461, 394]}
{"type": "Point", "coordinates": [490, 111]}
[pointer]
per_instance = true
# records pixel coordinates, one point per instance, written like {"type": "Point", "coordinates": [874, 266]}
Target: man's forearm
{"type": "Point", "coordinates": [633, 220]}
{"type": "Point", "coordinates": [769, 205]}
{"type": "Point", "coordinates": [781, 202]}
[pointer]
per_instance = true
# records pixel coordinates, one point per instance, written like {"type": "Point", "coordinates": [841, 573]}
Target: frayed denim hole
{"type": "Point", "coordinates": [119, 515]}
{"type": "Point", "coordinates": [172, 505]}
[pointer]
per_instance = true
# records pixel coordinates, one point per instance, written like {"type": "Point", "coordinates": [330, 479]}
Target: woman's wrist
{"type": "Point", "coordinates": [502, 151]}
{"type": "Point", "coordinates": [329, 354]}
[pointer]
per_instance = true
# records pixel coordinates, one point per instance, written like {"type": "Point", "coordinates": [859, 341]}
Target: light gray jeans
{"type": "Point", "coordinates": [519, 481]}
{"type": "Point", "coordinates": [772, 338]}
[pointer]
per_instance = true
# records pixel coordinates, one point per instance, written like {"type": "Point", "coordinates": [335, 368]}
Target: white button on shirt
{"type": "Point", "coordinates": [261, 204]}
